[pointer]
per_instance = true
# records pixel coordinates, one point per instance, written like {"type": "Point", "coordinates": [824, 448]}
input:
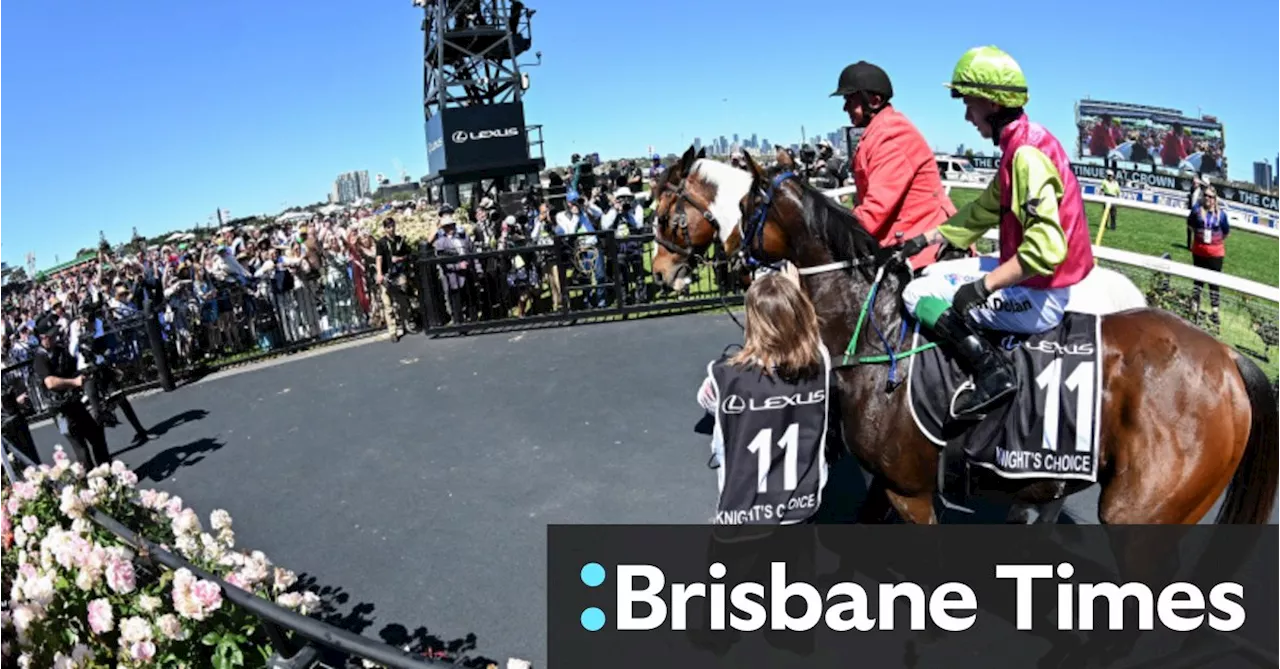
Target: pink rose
{"type": "Point", "coordinates": [174, 507]}
{"type": "Point", "coordinates": [147, 498]}
{"type": "Point", "coordinates": [236, 580]}
{"type": "Point", "coordinates": [120, 577]}
{"type": "Point", "coordinates": [142, 651]}
{"type": "Point", "coordinates": [100, 619]}
{"type": "Point", "coordinates": [170, 627]}
{"type": "Point", "coordinates": [30, 524]}
{"type": "Point", "coordinates": [207, 594]}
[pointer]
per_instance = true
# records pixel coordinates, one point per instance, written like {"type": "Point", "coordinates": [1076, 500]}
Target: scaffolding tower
{"type": "Point", "coordinates": [473, 90]}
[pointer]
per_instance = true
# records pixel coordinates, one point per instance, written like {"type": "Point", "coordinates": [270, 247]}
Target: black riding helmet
{"type": "Point", "coordinates": [863, 79]}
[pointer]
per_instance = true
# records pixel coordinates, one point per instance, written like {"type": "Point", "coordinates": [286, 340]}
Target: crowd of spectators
{"type": "Point", "coordinates": [240, 288]}
{"type": "Point", "coordinates": [247, 288]}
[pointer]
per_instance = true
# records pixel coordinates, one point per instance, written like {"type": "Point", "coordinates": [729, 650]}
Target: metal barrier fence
{"type": "Point", "coordinates": [256, 319]}
{"type": "Point", "coordinates": [572, 278]}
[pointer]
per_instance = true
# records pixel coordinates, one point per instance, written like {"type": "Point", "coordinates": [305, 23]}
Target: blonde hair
{"type": "Point", "coordinates": [781, 330]}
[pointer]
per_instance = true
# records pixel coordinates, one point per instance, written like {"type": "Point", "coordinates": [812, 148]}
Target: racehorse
{"type": "Point", "coordinates": [1183, 416]}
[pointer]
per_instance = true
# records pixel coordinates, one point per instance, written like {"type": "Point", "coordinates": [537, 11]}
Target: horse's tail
{"type": "Point", "coordinates": [1253, 487]}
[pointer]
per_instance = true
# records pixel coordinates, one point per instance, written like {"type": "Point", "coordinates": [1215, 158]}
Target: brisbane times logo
{"type": "Point", "coordinates": [645, 601]}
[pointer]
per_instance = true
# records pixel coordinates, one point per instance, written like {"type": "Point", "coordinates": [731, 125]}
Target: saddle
{"type": "Point", "coordinates": [1047, 430]}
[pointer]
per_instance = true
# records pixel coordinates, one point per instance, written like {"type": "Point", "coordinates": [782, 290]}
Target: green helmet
{"type": "Point", "coordinates": [987, 72]}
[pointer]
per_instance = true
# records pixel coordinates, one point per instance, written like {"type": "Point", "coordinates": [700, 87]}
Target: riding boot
{"type": "Point", "coordinates": [994, 378]}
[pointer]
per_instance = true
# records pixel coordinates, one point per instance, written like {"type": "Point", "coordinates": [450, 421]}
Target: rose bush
{"type": "Point", "coordinates": [74, 595]}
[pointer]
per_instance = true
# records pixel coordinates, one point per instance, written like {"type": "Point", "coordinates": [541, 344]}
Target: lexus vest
{"type": "Point", "coordinates": [774, 430]}
{"type": "Point", "coordinates": [1079, 261]}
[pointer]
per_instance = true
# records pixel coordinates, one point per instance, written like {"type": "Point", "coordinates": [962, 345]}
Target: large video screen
{"type": "Point", "coordinates": [1160, 138]}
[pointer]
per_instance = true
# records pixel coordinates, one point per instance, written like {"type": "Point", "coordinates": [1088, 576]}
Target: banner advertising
{"type": "Point", "coordinates": [983, 162]}
{"type": "Point", "coordinates": [931, 596]}
{"type": "Point", "coordinates": [1154, 179]}
{"type": "Point", "coordinates": [1156, 136]}
{"type": "Point", "coordinates": [485, 136]}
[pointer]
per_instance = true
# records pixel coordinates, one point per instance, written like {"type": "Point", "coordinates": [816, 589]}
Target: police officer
{"type": "Point", "coordinates": [100, 379]}
{"type": "Point", "coordinates": [54, 368]}
{"type": "Point", "coordinates": [770, 402]}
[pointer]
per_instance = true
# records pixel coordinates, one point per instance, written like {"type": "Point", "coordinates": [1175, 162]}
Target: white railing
{"type": "Point", "coordinates": [1169, 267]}
{"type": "Point", "coordinates": [1238, 212]}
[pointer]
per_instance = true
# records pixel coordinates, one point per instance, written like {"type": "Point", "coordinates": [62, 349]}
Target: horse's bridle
{"type": "Point", "coordinates": [753, 226]}
{"type": "Point", "coordinates": [750, 229]}
{"type": "Point", "coordinates": [682, 221]}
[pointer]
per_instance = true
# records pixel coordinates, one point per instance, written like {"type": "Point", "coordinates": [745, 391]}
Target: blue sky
{"type": "Point", "coordinates": [154, 114]}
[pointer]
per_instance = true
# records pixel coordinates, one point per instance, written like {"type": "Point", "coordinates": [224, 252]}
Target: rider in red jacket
{"type": "Point", "coordinates": [899, 187]}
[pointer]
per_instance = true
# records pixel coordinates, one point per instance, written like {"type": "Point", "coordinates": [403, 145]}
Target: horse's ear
{"type": "Point", "coordinates": [686, 161]}
{"type": "Point", "coordinates": [702, 153]}
{"type": "Point", "coordinates": [753, 167]}
{"type": "Point", "coordinates": [784, 160]}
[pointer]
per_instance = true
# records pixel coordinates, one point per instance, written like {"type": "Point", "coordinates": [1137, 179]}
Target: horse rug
{"type": "Point", "coordinates": [1048, 429]}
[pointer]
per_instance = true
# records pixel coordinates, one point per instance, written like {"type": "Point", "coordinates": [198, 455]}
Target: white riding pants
{"type": "Point", "coordinates": [1013, 309]}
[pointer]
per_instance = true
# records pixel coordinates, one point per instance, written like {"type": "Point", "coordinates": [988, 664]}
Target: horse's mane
{"type": "Point", "coordinates": [835, 225]}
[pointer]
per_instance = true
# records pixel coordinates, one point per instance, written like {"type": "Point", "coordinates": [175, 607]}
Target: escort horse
{"type": "Point", "coordinates": [1180, 417]}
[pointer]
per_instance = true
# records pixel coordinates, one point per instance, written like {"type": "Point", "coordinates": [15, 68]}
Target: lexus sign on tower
{"type": "Point", "coordinates": [464, 139]}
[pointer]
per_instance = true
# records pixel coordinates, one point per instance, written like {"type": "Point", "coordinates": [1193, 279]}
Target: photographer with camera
{"type": "Point", "coordinates": [581, 218]}
{"type": "Point", "coordinates": [89, 343]}
{"type": "Point", "coordinates": [54, 368]}
{"type": "Point", "coordinates": [392, 264]}
{"type": "Point", "coordinates": [626, 219]}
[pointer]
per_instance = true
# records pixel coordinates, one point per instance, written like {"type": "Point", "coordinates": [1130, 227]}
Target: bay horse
{"type": "Point", "coordinates": [1184, 417]}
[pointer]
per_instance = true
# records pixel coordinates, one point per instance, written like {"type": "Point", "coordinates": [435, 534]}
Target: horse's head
{"type": "Point", "coordinates": [696, 205]}
{"type": "Point", "coordinates": [784, 218]}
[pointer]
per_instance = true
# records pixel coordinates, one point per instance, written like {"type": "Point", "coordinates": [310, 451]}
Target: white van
{"type": "Point", "coordinates": [951, 168]}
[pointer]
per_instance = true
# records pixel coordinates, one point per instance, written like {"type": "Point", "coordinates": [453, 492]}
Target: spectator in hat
{"type": "Point", "coordinates": [656, 169]}
{"type": "Point", "coordinates": [626, 219]}
{"type": "Point", "coordinates": [450, 241]}
{"type": "Point", "coordinates": [580, 218]}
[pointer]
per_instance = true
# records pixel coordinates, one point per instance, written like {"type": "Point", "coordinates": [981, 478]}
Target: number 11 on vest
{"type": "Point", "coordinates": [1081, 383]}
{"type": "Point", "coordinates": [762, 446]}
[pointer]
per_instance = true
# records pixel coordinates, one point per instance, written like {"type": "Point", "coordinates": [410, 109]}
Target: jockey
{"type": "Point", "coordinates": [770, 402]}
{"type": "Point", "coordinates": [899, 188]}
{"type": "Point", "coordinates": [1044, 235]}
